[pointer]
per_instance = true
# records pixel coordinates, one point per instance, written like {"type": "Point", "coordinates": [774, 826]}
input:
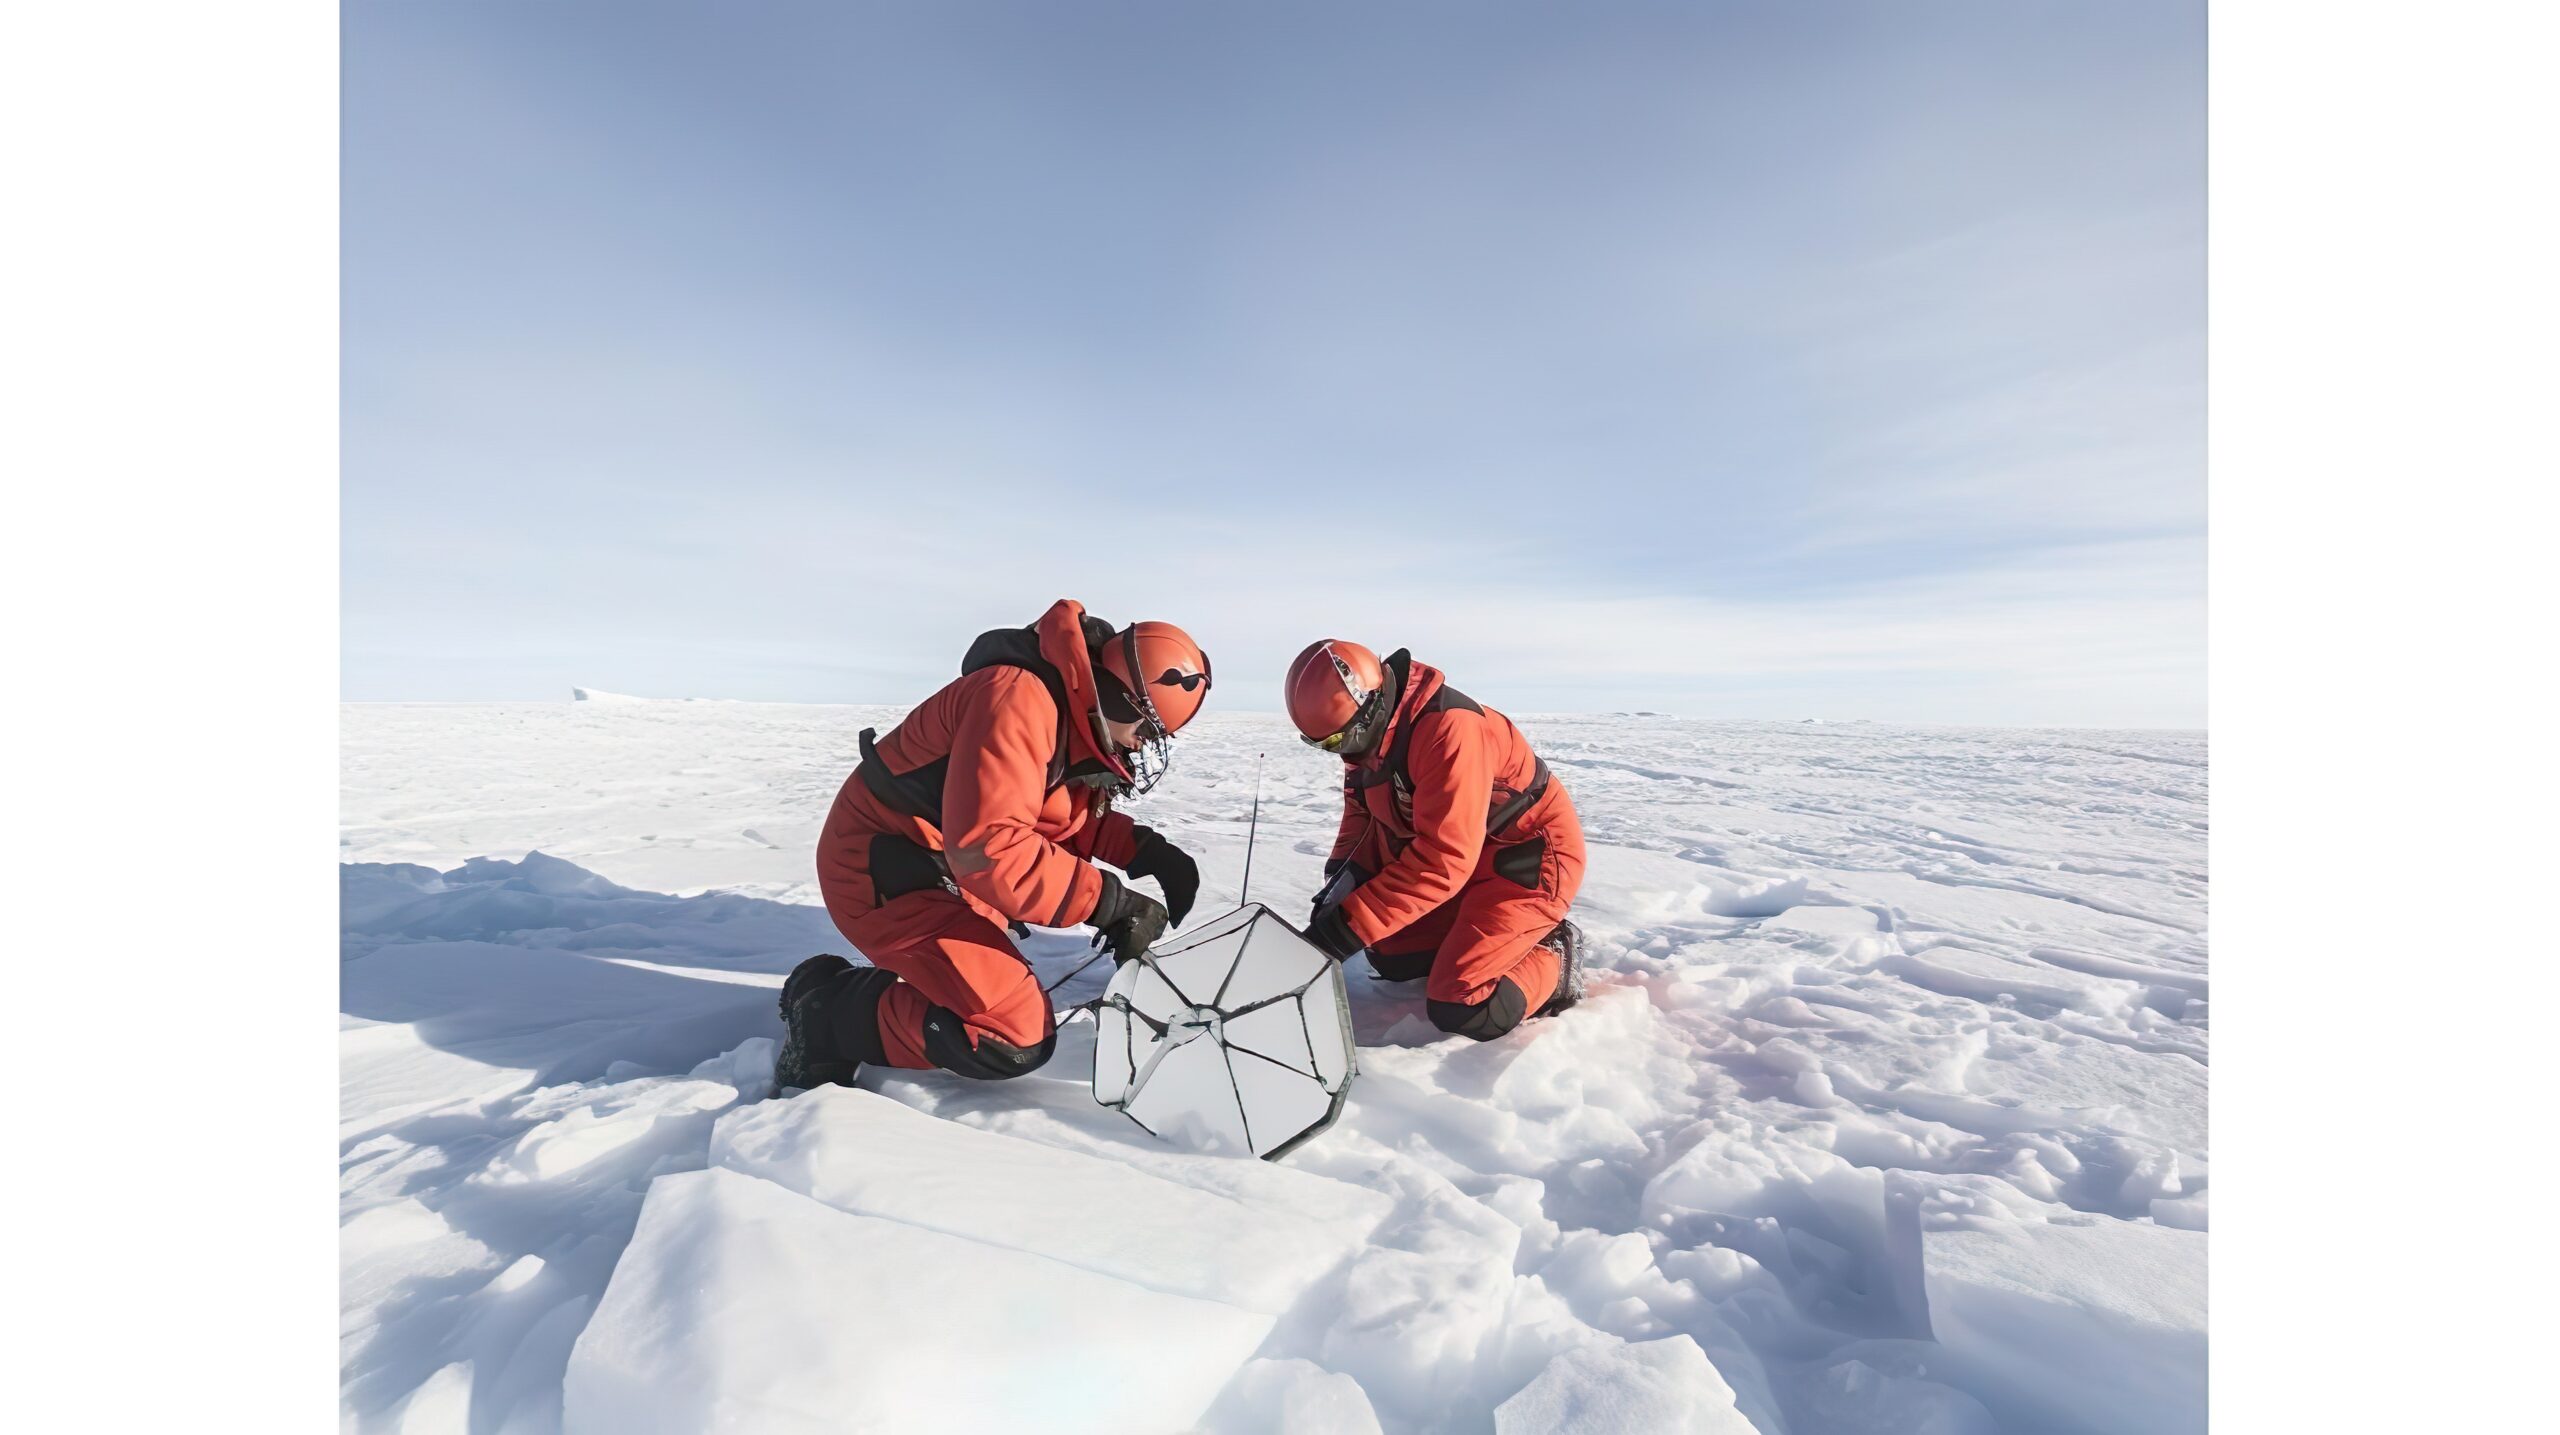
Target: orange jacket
{"type": "Point", "coordinates": [1001, 772]}
{"type": "Point", "coordinates": [1448, 779]}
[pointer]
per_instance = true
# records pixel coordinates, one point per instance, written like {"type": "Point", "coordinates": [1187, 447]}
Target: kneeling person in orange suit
{"type": "Point", "coordinates": [1458, 853]}
{"type": "Point", "coordinates": [986, 808]}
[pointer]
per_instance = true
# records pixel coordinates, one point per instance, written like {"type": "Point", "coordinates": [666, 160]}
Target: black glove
{"type": "Point", "coordinates": [1126, 922]}
{"type": "Point", "coordinates": [1172, 868]}
{"type": "Point", "coordinates": [1331, 931]}
{"type": "Point", "coordinates": [1332, 892]}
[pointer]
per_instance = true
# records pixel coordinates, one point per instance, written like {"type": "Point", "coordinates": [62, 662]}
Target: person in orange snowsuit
{"type": "Point", "coordinates": [985, 810]}
{"type": "Point", "coordinates": [1459, 852]}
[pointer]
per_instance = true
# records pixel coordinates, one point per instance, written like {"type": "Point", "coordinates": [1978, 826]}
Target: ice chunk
{"type": "Point", "coordinates": [2154, 1177]}
{"type": "Point", "coordinates": [2185, 1212]}
{"type": "Point", "coordinates": [742, 1306]}
{"type": "Point", "coordinates": [382, 1248]}
{"type": "Point", "coordinates": [1657, 1385]}
{"type": "Point", "coordinates": [1884, 1395]}
{"type": "Point", "coordinates": [635, 1124]}
{"type": "Point", "coordinates": [1425, 1302]}
{"type": "Point", "coordinates": [865, 1153]}
{"type": "Point", "coordinates": [2096, 1327]}
{"type": "Point", "coordinates": [1292, 1397]}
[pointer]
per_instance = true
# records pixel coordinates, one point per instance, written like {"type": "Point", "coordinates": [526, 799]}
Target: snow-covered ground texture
{"type": "Point", "coordinates": [1885, 1115]}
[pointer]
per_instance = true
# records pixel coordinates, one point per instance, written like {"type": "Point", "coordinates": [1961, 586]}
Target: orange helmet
{"type": "Point", "coordinates": [1337, 692]}
{"type": "Point", "coordinates": [1152, 673]}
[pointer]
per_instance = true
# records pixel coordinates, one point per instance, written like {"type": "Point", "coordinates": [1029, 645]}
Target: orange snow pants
{"type": "Point", "coordinates": [1479, 951]}
{"type": "Point", "coordinates": [962, 997]}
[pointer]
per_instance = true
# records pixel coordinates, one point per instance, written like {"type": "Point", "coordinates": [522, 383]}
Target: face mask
{"type": "Point", "coordinates": [1153, 756]}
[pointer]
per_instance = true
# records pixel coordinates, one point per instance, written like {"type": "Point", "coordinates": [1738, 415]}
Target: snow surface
{"type": "Point", "coordinates": [1660, 1385]}
{"type": "Point", "coordinates": [707, 1327]}
{"type": "Point", "coordinates": [1888, 1103]}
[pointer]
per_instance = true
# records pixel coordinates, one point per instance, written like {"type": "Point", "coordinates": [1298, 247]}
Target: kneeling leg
{"type": "Point", "coordinates": [1493, 970]}
{"type": "Point", "coordinates": [962, 999]}
{"type": "Point", "coordinates": [1409, 954]}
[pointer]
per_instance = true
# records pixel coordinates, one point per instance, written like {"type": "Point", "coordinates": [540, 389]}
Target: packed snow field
{"type": "Point", "coordinates": [1886, 1112]}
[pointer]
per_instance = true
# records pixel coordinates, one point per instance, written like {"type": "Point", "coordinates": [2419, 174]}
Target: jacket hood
{"type": "Point", "coordinates": [1059, 650]}
{"type": "Point", "coordinates": [1068, 636]}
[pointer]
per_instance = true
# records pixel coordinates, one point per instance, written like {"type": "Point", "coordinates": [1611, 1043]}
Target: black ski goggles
{"type": "Point", "coordinates": [1119, 705]}
{"type": "Point", "coordinates": [1356, 734]}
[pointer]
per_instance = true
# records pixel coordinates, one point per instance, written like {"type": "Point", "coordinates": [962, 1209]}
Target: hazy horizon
{"type": "Point", "coordinates": [609, 698]}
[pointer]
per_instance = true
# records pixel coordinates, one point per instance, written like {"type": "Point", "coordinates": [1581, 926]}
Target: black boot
{"type": "Point", "coordinates": [1566, 940]}
{"type": "Point", "coordinates": [809, 1056]}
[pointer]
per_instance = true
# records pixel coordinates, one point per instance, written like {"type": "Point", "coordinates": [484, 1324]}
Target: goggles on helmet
{"type": "Point", "coordinates": [1355, 735]}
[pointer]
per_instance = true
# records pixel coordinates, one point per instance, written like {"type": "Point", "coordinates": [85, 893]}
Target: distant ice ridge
{"type": "Point", "coordinates": [600, 696]}
{"type": "Point", "coordinates": [1887, 1101]}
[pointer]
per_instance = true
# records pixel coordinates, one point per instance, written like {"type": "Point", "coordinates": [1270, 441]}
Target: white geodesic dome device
{"type": "Point", "coordinates": [1234, 1038]}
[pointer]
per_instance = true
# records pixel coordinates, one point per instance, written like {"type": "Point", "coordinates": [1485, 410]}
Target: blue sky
{"type": "Point", "coordinates": [1752, 360]}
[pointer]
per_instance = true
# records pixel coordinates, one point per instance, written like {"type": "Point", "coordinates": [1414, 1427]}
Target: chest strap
{"type": "Point", "coordinates": [1520, 803]}
{"type": "Point", "coordinates": [1393, 769]}
{"type": "Point", "coordinates": [918, 794]}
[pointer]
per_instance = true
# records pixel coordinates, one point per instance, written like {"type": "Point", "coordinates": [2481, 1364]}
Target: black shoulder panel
{"type": "Point", "coordinates": [1016, 648]}
{"type": "Point", "coordinates": [917, 794]}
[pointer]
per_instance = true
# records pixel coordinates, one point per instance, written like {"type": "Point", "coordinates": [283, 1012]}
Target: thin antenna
{"type": "Point", "coordinates": [1244, 893]}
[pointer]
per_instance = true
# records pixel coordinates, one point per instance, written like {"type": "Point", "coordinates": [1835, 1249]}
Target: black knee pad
{"type": "Point", "coordinates": [990, 1058]}
{"type": "Point", "coordinates": [1400, 967]}
{"type": "Point", "coordinates": [853, 1013]}
{"type": "Point", "coordinates": [1496, 1015]}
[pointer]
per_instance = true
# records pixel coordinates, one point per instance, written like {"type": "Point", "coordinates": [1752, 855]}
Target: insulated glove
{"type": "Point", "coordinates": [1331, 931]}
{"type": "Point", "coordinates": [1341, 876]}
{"type": "Point", "coordinates": [1172, 868]}
{"type": "Point", "coordinates": [1126, 923]}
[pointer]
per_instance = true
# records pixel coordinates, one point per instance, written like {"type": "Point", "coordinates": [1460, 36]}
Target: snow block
{"type": "Point", "coordinates": [1665, 1386]}
{"type": "Point", "coordinates": [2096, 1328]}
{"type": "Point", "coordinates": [740, 1306]}
{"type": "Point", "coordinates": [1293, 1397]}
{"type": "Point", "coordinates": [864, 1153]}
